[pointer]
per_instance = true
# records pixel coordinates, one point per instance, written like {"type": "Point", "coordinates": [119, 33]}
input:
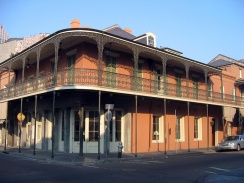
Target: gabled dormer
{"type": "Point", "coordinates": [149, 39]}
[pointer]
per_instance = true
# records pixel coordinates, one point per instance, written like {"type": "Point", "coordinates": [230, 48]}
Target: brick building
{"type": "Point", "coordinates": [160, 99]}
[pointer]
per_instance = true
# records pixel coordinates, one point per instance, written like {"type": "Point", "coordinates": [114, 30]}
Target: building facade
{"type": "Point", "coordinates": [159, 100]}
{"type": "Point", "coordinates": [3, 34]}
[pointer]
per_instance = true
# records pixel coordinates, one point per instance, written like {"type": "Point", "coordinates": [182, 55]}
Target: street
{"type": "Point", "coordinates": [185, 168]}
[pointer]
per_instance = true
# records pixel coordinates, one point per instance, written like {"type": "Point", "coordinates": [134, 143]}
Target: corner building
{"type": "Point", "coordinates": [161, 100]}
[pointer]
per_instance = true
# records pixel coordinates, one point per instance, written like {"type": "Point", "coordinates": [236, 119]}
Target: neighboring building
{"type": "Point", "coordinates": [161, 100]}
{"type": "Point", "coordinates": [233, 71]}
{"type": "Point", "coordinates": [15, 45]}
{"type": "Point", "coordinates": [3, 34]}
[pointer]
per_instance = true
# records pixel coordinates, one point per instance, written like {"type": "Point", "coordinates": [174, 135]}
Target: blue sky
{"type": "Point", "coordinates": [201, 29]}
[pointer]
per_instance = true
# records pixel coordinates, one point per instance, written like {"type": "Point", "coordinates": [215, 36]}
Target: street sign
{"type": "Point", "coordinates": [108, 115]}
{"type": "Point", "coordinates": [21, 117]}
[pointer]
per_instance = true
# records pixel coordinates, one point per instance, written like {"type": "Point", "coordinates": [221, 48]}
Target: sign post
{"type": "Point", "coordinates": [21, 118]}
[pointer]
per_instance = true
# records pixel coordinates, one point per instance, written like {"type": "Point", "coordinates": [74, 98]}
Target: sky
{"type": "Point", "coordinates": [200, 29]}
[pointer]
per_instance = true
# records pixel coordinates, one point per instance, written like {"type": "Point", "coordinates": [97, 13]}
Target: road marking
{"type": "Point", "coordinates": [90, 166]}
{"type": "Point", "coordinates": [221, 169]}
{"type": "Point", "coordinates": [155, 161]}
{"type": "Point", "coordinates": [210, 172]}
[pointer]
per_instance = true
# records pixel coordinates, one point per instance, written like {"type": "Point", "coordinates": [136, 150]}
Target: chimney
{"type": "Point", "coordinates": [75, 23]}
{"type": "Point", "coordinates": [128, 30]}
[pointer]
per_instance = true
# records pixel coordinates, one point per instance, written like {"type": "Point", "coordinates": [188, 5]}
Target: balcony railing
{"type": "Point", "coordinates": [115, 81]}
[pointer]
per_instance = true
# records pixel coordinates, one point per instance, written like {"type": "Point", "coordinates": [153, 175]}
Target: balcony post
{"type": "Point", "coordinates": [55, 62]}
{"type": "Point", "coordinates": [37, 67]}
{"type": "Point", "coordinates": [164, 60]}
{"type": "Point", "coordinates": [222, 91]}
{"type": "Point", "coordinates": [206, 83]}
{"type": "Point", "coordinates": [135, 71]}
{"type": "Point", "coordinates": [100, 47]}
{"type": "Point", "coordinates": [187, 79]}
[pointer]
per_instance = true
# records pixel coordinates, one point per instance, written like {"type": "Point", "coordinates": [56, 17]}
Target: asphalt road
{"type": "Point", "coordinates": [189, 168]}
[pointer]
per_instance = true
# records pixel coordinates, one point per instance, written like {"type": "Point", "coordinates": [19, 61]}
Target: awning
{"type": "Point", "coordinates": [229, 113]}
{"type": "Point", "coordinates": [2, 121]}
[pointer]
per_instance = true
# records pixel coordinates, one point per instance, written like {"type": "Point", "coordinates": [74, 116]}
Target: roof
{"type": "Point", "coordinates": [118, 31]}
{"type": "Point", "coordinates": [220, 62]}
{"type": "Point", "coordinates": [13, 39]}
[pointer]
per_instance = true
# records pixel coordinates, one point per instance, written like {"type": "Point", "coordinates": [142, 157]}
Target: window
{"type": "Point", "coordinates": [71, 67]}
{"type": "Point", "coordinates": [240, 72]}
{"type": "Point", "coordinates": [77, 127]}
{"type": "Point", "coordinates": [195, 87]}
{"type": "Point", "coordinates": [151, 41]}
{"type": "Point", "coordinates": [139, 77]}
{"type": "Point", "coordinates": [197, 128]}
{"type": "Point", "coordinates": [115, 127]}
{"type": "Point", "coordinates": [180, 136]}
{"type": "Point", "coordinates": [62, 125]}
{"type": "Point", "coordinates": [157, 131]}
{"type": "Point", "coordinates": [210, 88]}
{"type": "Point", "coordinates": [178, 84]}
{"type": "Point", "coordinates": [93, 126]}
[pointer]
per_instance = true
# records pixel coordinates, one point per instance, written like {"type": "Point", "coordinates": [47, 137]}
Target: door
{"type": "Point", "coordinates": [75, 132]}
{"type": "Point", "coordinates": [49, 132]}
{"type": "Point", "coordinates": [92, 120]}
{"type": "Point", "coordinates": [115, 131]}
{"type": "Point", "coordinates": [71, 67]}
{"type": "Point", "coordinates": [38, 135]}
{"type": "Point", "coordinates": [28, 134]}
{"type": "Point", "coordinates": [178, 84]}
{"type": "Point", "coordinates": [61, 131]}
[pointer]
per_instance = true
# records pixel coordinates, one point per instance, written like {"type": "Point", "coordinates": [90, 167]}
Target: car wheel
{"type": "Point", "coordinates": [238, 147]}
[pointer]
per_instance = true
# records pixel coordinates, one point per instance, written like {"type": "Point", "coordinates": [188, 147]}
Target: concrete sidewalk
{"type": "Point", "coordinates": [93, 157]}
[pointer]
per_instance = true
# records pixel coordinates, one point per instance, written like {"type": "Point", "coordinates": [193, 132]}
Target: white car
{"type": "Point", "coordinates": [231, 143]}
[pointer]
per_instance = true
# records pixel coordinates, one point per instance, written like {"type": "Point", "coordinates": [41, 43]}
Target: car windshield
{"type": "Point", "coordinates": [232, 138]}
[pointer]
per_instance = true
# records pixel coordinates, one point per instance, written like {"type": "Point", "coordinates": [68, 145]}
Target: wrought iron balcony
{"type": "Point", "coordinates": [120, 82]}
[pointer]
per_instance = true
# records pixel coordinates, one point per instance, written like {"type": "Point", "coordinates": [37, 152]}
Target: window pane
{"type": "Point", "coordinates": [155, 129]}
{"type": "Point", "coordinates": [93, 126]}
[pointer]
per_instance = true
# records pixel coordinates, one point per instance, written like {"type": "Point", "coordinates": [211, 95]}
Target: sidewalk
{"type": "Point", "coordinates": [93, 157]}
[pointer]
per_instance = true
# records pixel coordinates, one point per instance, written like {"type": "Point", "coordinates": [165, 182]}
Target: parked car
{"type": "Point", "coordinates": [231, 143]}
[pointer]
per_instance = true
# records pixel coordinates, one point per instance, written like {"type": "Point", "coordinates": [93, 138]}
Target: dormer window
{"type": "Point", "coordinates": [151, 39]}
